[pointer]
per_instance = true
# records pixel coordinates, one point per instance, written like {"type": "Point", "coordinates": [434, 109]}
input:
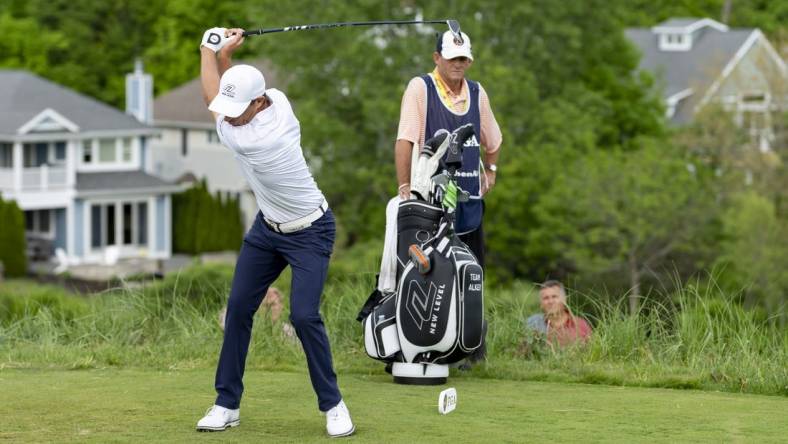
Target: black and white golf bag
{"type": "Point", "coordinates": [435, 314]}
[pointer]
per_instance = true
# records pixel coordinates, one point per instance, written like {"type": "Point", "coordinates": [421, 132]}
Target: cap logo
{"type": "Point", "coordinates": [229, 90]}
{"type": "Point", "coordinates": [458, 41]}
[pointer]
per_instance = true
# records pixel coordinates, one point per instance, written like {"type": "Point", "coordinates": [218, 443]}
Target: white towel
{"type": "Point", "coordinates": [387, 281]}
{"type": "Point", "coordinates": [423, 168]}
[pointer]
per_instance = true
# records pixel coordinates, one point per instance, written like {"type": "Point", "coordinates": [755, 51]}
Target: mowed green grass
{"type": "Point", "coordinates": [163, 406]}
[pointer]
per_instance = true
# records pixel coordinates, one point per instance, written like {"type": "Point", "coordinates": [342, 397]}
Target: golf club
{"type": "Point", "coordinates": [454, 26]}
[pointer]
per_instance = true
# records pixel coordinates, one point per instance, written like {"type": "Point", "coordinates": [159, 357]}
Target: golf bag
{"type": "Point", "coordinates": [435, 315]}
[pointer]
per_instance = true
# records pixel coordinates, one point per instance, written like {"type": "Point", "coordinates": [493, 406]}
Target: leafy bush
{"type": "Point", "coordinates": [12, 239]}
{"type": "Point", "coordinates": [204, 222]}
{"type": "Point", "coordinates": [20, 301]}
{"type": "Point", "coordinates": [703, 340]}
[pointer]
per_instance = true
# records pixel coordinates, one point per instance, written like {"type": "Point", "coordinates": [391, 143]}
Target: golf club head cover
{"type": "Point", "coordinates": [432, 145]}
{"type": "Point", "coordinates": [456, 143]}
{"type": "Point", "coordinates": [427, 163]}
{"type": "Point", "coordinates": [214, 39]}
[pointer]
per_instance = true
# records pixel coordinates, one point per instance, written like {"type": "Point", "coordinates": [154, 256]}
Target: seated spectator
{"type": "Point", "coordinates": [556, 323]}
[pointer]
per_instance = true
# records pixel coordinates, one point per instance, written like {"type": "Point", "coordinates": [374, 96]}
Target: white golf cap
{"type": "Point", "coordinates": [238, 87]}
{"type": "Point", "coordinates": [449, 48]}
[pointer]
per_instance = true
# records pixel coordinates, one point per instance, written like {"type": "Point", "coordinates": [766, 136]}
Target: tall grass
{"type": "Point", "coordinates": [699, 339]}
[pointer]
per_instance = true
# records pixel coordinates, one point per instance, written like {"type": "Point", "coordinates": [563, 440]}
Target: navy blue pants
{"type": "Point", "coordinates": [264, 254]}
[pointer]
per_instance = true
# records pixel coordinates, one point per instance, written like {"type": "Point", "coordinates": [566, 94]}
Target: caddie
{"type": "Point", "coordinates": [445, 100]}
{"type": "Point", "coordinates": [294, 227]}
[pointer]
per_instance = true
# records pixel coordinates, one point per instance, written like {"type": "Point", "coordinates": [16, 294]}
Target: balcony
{"type": "Point", "coordinates": [40, 178]}
{"type": "Point", "coordinates": [6, 178]}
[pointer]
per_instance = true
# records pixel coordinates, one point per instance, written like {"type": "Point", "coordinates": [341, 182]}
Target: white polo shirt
{"type": "Point", "coordinates": [268, 151]}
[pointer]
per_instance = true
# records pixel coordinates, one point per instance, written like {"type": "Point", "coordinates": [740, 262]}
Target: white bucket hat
{"type": "Point", "coordinates": [238, 87]}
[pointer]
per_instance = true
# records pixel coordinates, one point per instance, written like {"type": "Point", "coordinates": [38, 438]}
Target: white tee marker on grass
{"type": "Point", "coordinates": [447, 401]}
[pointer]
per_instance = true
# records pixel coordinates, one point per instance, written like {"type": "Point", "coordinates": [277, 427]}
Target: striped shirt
{"type": "Point", "coordinates": [413, 113]}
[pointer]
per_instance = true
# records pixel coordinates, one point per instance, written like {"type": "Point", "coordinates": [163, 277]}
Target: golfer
{"type": "Point", "coordinates": [294, 227]}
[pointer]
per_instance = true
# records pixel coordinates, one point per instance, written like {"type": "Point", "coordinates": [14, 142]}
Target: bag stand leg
{"type": "Point", "coordinates": [420, 374]}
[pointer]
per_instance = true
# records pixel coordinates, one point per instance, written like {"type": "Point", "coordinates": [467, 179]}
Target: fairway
{"type": "Point", "coordinates": [163, 406]}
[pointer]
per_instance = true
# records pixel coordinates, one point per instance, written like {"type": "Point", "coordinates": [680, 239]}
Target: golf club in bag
{"type": "Point", "coordinates": [434, 317]}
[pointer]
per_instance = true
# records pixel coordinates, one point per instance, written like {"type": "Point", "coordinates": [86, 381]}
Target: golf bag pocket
{"type": "Point", "coordinates": [471, 305]}
{"type": "Point", "coordinates": [427, 309]}
{"type": "Point", "coordinates": [417, 222]}
{"type": "Point", "coordinates": [381, 339]}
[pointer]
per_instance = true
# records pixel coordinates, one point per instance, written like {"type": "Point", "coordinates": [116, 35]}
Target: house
{"type": "Point", "coordinates": [80, 170]}
{"type": "Point", "coordinates": [701, 61]}
{"type": "Point", "coordinates": [188, 148]}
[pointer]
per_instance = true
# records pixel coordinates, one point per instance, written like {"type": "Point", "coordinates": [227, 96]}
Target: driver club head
{"type": "Point", "coordinates": [454, 27]}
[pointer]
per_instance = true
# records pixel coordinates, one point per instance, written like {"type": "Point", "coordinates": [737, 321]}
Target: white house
{"type": "Point", "coordinates": [701, 61]}
{"type": "Point", "coordinates": [188, 148]}
{"type": "Point", "coordinates": [80, 170]}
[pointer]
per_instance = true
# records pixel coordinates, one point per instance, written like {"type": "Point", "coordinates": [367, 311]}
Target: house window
{"type": "Point", "coordinates": [95, 226]}
{"type": "Point", "coordinates": [6, 155]}
{"type": "Point", "coordinates": [29, 223]}
{"type": "Point", "coordinates": [128, 224]}
{"type": "Point", "coordinates": [131, 220]}
{"type": "Point", "coordinates": [754, 116]}
{"type": "Point", "coordinates": [33, 155]}
{"type": "Point", "coordinates": [126, 151]}
{"type": "Point", "coordinates": [184, 142]}
{"type": "Point", "coordinates": [142, 223]}
{"type": "Point", "coordinates": [109, 227]}
{"type": "Point", "coordinates": [37, 154]}
{"type": "Point", "coordinates": [43, 221]}
{"type": "Point", "coordinates": [87, 151]}
{"type": "Point", "coordinates": [38, 221]}
{"type": "Point", "coordinates": [107, 151]}
{"type": "Point", "coordinates": [60, 152]}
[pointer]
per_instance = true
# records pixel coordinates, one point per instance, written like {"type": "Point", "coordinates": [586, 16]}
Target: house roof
{"type": "Point", "coordinates": [695, 69]}
{"type": "Point", "coordinates": [183, 106]}
{"type": "Point", "coordinates": [119, 181]}
{"type": "Point", "coordinates": [24, 95]}
{"type": "Point", "coordinates": [688, 25]}
{"type": "Point", "coordinates": [678, 22]}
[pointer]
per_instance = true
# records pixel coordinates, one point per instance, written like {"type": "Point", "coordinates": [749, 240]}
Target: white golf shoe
{"type": "Point", "coordinates": [218, 418]}
{"type": "Point", "coordinates": [338, 422]}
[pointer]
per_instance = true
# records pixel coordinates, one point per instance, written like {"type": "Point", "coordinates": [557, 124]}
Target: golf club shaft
{"type": "Point", "coordinates": [337, 25]}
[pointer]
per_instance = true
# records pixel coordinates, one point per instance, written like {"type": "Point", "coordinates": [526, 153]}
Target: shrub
{"type": "Point", "coordinates": [205, 222]}
{"type": "Point", "coordinates": [12, 239]}
{"type": "Point", "coordinates": [19, 301]}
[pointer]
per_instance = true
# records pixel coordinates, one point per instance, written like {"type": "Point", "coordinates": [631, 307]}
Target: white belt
{"type": "Point", "coordinates": [300, 223]}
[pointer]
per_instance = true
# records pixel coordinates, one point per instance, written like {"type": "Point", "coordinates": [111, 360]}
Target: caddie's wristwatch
{"type": "Point", "coordinates": [492, 167]}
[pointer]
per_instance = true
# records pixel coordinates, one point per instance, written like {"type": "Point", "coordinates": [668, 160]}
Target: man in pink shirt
{"type": "Point", "coordinates": [556, 322]}
{"type": "Point", "coordinates": [445, 100]}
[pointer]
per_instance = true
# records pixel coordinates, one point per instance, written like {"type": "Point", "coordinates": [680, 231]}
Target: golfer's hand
{"type": "Point", "coordinates": [489, 181]}
{"type": "Point", "coordinates": [214, 39]}
{"type": "Point", "coordinates": [235, 37]}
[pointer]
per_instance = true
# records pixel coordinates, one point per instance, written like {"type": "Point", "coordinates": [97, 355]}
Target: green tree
{"type": "Point", "coordinates": [12, 239]}
{"type": "Point", "coordinates": [90, 45]}
{"type": "Point", "coordinates": [624, 214]}
{"type": "Point", "coordinates": [204, 222]}
{"type": "Point", "coordinates": [754, 255]}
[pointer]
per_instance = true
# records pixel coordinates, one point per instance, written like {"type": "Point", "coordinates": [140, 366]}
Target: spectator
{"type": "Point", "coordinates": [556, 323]}
{"type": "Point", "coordinates": [273, 305]}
